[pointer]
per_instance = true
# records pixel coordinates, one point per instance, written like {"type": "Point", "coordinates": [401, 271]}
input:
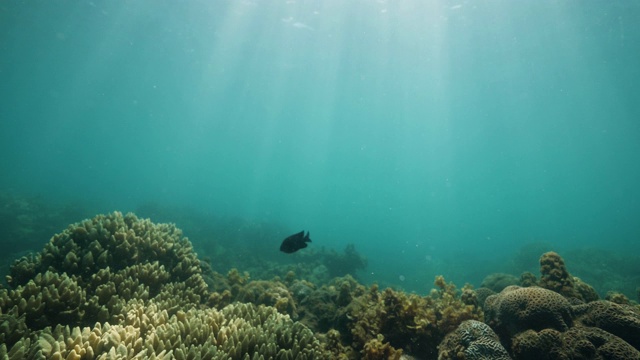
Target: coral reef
{"type": "Point", "coordinates": [141, 286]}
{"type": "Point", "coordinates": [556, 323]}
{"type": "Point", "coordinates": [119, 287]}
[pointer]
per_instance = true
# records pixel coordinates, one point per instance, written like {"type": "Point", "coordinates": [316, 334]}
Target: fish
{"type": "Point", "coordinates": [295, 242]}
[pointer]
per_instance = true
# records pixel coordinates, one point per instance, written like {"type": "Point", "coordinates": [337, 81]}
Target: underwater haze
{"type": "Point", "coordinates": [438, 137]}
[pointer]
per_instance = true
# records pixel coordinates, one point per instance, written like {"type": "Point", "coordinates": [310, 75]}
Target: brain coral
{"type": "Point", "coordinates": [517, 309]}
{"type": "Point", "coordinates": [472, 340]}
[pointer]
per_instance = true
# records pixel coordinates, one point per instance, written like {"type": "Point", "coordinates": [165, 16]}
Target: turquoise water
{"type": "Point", "coordinates": [438, 137]}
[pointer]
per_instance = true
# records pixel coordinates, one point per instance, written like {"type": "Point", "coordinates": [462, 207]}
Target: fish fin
{"type": "Point", "coordinates": [306, 238]}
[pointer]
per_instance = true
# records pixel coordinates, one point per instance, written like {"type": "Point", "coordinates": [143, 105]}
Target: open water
{"type": "Point", "coordinates": [436, 136]}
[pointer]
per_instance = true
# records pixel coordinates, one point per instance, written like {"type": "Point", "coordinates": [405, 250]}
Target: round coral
{"type": "Point", "coordinates": [517, 309]}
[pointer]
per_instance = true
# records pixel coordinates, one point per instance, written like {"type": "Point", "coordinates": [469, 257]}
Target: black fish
{"type": "Point", "coordinates": [295, 242]}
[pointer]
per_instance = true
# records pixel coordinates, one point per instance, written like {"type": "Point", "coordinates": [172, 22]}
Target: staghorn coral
{"type": "Point", "coordinates": [517, 309]}
{"type": "Point", "coordinates": [472, 340]}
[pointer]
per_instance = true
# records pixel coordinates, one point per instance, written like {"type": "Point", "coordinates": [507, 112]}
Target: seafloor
{"type": "Point", "coordinates": [119, 287]}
